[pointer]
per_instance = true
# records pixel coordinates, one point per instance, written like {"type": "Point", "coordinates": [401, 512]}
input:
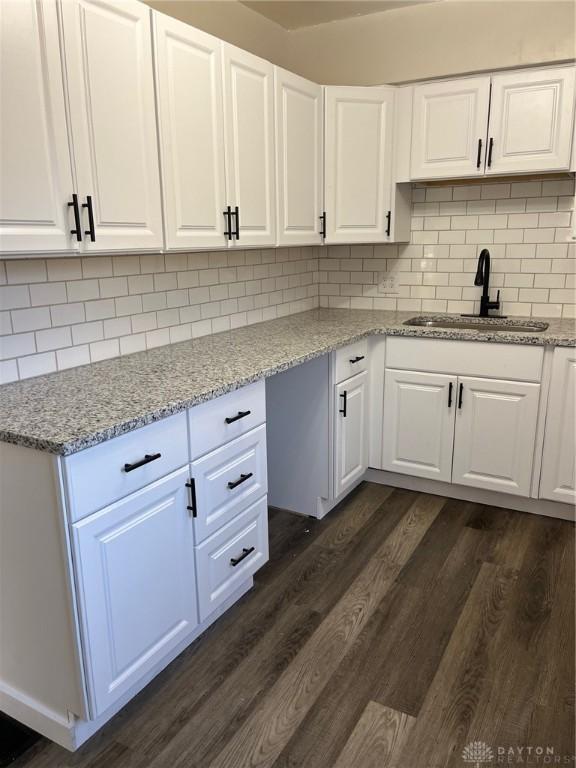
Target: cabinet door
{"type": "Point", "coordinates": [134, 567]}
{"type": "Point", "coordinates": [531, 115]}
{"type": "Point", "coordinates": [249, 126]}
{"type": "Point", "coordinates": [419, 423]}
{"type": "Point", "coordinates": [298, 159]}
{"type": "Point", "coordinates": [35, 165]}
{"type": "Point", "coordinates": [495, 434]}
{"type": "Point", "coordinates": [558, 479]}
{"type": "Point", "coordinates": [358, 166]}
{"type": "Point", "coordinates": [449, 125]}
{"type": "Point", "coordinates": [113, 118]}
{"type": "Point", "coordinates": [350, 432]}
{"type": "Point", "coordinates": [189, 80]}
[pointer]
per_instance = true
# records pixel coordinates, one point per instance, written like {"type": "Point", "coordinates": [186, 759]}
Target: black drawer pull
{"type": "Point", "coordinates": [388, 223]}
{"type": "Point", "coordinates": [490, 148]}
{"type": "Point", "coordinates": [357, 359]}
{"type": "Point", "coordinates": [344, 396]}
{"type": "Point", "coordinates": [239, 415]}
{"type": "Point", "coordinates": [479, 155]}
{"type": "Point", "coordinates": [78, 226]}
{"type": "Point", "coordinates": [323, 225]}
{"type": "Point", "coordinates": [228, 216]}
{"type": "Point", "coordinates": [450, 388]}
{"type": "Point", "coordinates": [460, 396]}
{"type": "Point", "coordinates": [91, 229]}
{"type": "Point", "coordinates": [241, 479]}
{"type": "Point", "coordinates": [148, 457]}
{"type": "Point", "coordinates": [236, 214]}
{"type": "Point", "coordinates": [245, 552]}
{"type": "Point", "coordinates": [192, 507]}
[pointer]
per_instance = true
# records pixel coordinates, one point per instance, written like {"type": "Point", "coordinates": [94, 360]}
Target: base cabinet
{"type": "Point", "coordinates": [136, 586]}
{"type": "Point", "coordinates": [350, 432]}
{"type": "Point", "coordinates": [558, 478]}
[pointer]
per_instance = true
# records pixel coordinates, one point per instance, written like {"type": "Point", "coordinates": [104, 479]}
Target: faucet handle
{"type": "Point", "coordinates": [498, 297]}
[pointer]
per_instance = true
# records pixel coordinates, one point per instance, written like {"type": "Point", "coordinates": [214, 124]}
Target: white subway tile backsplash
{"type": "Point", "coordinates": [37, 365]}
{"type": "Point", "coordinates": [97, 266]}
{"type": "Point", "coordinates": [42, 294]}
{"type": "Point", "coordinates": [14, 296]}
{"type": "Point", "coordinates": [30, 319]}
{"type": "Point", "coordinates": [26, 271]}
{"type": "Point", "coordinates": [72, 356]}
{"type": "Point", "coordinates": [53, 338]}
{"type": "Point", "coordinates": [68, 268]}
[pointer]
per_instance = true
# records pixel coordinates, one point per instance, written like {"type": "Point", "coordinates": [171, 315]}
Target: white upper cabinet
{"type": "Point", "coordinates": [35, 165]}
{"type": "Point", "coordinates": [449, 128]}
{"type": "Point", "coordinates": [558, 479]}
{"type": "Point", "coordinates": [358, 164]}
{"type": "Point", "coordinates": [299, 158]}
{"type": "Point", "coordinates": [189, 90]}
{"type": "Point", "coordinates": [250, 160]}
{"type": "Point", "coordinates": [109, 69]}
{"type": "Point", "coordinates": [495, 434]}
{"type": "Point", "coordinates": [531, 116]}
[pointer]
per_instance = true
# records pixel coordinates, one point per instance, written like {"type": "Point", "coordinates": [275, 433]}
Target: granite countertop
{"type": "Point", "coordinates": [68, 411]}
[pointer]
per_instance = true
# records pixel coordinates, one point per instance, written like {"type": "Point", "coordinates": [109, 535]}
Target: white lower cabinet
{"type": "Point", "coordinates": [231, 556]}
{"type": "Point", "coordinates": [419, 423]}
{"type": "Point", "coordinates": [495, 434]}
{"type": "Point", "coordinates": [136, 588]}
{"type": "Point", "coordinates": [558, 479]}
{"type": "Point", "coordinates": [350, 432]}
{"type": "Point", "coordinates": [471, 431]}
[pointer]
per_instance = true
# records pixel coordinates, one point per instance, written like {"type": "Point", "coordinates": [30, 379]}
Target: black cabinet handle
{"type": "Point", "coordinates": [237, 217]}
{"type": "Point", "coordinates": [344, 396]}
{"type": "Point", "coordinates": [77, 223]}
{"type": "Point", "coordinates": [460, 396]}
{"type": "Point", "coordinates": [450, 388]}
{"type": "Point", "coordinates": [357, 359]}
{"type": "Point", "coordinates": [148, 457]}
{"type": "Point", "coordinates": [228, 216]}
{"type": "Point", "coordinates": [479, 155]}
{"type": "Point", "coordinates": [388, 223]}
{"type": "Point", "coordinates": [241, 479]}
{"type": "Point", "coordinates": [322, 224]}
{"type": "Point", "coordinates": [245, 552]}
{"type": "Point", "coordinates": [193, 508]}
{"type": "Point", "coordinates": [490, 147]}
{"type": "Point", "coordinates": [239, 415]}
{"type": "Point", "coordinates": [91, 230]}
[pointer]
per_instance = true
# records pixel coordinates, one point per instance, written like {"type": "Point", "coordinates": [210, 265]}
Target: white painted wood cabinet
{"type": "Point", "coordinates": [419, 423]}
{"type": "Point", "coordinates": [250, 155]}
{"type": "Point", "coordinates": [531, 117]}
{"type": "Point", "coordinates": [136, 586]}
{"type": "Point", "coordinates": [299, 159]}
{"type": "Point", "coordinates": [350, 432]}
{"type": "Point", "coordinates": [495, 434]}
{"type": "Point", "coordinates": [191, 121]}
{"type": "Point", "coordinates": [558, 478]}
{"type": "Point", "coordinates": [35, 163]}
{"type": "Point", "coordinates": [449, 128]}
{"type": "Point", "coordinates": [108, 52]}
{"type": "Point", "coordinates": [358, 164]}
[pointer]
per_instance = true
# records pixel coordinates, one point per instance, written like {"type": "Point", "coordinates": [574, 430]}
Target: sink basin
{"type": "Point", "coordinates": [478, 324]}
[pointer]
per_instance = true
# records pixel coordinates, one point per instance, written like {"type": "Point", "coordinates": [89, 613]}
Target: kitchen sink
{"type": "Point", "coordinates": [478, 324]}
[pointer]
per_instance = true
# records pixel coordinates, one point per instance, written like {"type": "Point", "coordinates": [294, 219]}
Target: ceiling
{"type": "Point", "coordinates": [295, 14]}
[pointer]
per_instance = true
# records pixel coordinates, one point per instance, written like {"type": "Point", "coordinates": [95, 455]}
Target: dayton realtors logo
{"type": "Point", "coordinates": [479, 754]}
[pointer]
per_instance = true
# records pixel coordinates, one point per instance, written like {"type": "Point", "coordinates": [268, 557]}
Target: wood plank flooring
{"type": "Point", "coordinates": [388, 635]}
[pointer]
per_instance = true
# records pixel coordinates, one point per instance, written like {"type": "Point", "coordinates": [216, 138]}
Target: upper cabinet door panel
{"type": "Point", "coordinates": [531, 115]}
{"type": "Point", "coordinates": [449, 128]}
{"type": "Point", "coordinates": [35, 165]}
{"type": "Point", "coordinates": [358, 172]}
{"type": "Point", "coordinates": [112, 107]}
{"type": "Point", "coordinates": [189, 87]}
{"type": "Point", "coordinates": [249, 124]}
{"type": "Point", "coordinates": [299, 159]}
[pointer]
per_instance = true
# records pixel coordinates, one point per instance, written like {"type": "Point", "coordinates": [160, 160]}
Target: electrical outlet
{"type": "Point", "coordinates": [388, 283]}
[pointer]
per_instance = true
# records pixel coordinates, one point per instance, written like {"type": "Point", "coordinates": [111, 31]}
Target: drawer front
{"type": "Point", "coordinates": [231, 556]}
{"type": "Point", "coordinates": [351, 360]}
{"type": "Point", "coordinates": [114, 469]}
{"type": "Point", "coordinates": [218, 421]}
{"type": "Point", "coordinates": [465, 358]}
{"type": "Point", "coordinates": [228, 480]}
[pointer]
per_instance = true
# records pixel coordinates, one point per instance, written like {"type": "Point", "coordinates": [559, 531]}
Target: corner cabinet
{"type": "Point", "coordinates": [299, 159]}
{"type": "Point", "coordinates": [558, 478]}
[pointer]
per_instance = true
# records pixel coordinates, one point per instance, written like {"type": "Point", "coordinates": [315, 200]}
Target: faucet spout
{"type": "Point", "coordinates": [483, 278]}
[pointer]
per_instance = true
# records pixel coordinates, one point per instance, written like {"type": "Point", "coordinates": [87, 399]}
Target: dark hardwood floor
{"type": "Point", "coordinates": [394, 632]}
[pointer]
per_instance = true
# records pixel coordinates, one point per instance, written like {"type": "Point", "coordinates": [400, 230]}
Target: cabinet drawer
{"type": "Point", "coordinates": [228, 480]}
{"type": "Point", "coordinates": [114, 469]}
{"type": "Point", "coordinates": [218, 421]}
{"type": "Point", "coordinates": [515, 362]}
{"type": "Point", "coordinates": [231, 556]}
{"type": "Point", "coordinates": [351, 360]}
